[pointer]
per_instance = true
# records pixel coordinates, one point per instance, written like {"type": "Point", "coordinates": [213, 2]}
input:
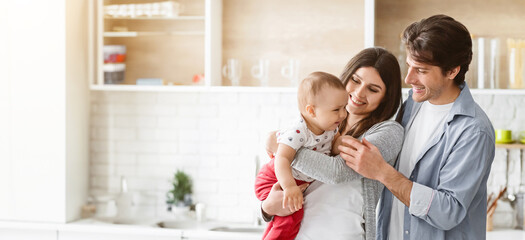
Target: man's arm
{"type": "Point", "coordinates": [459, 179]}
{"type": "Point", "coordinates": [366, 159]}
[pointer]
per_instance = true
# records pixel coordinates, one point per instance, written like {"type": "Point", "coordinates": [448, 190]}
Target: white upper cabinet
{"type": "Point", "coordinates": [44, 109]}
{"type": "Point", "coordinates": [159, 43]}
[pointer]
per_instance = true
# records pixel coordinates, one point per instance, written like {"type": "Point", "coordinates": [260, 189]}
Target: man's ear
{"type": "Point", "coordinates": [453, 72]}
{"type": "Point", "coordinates": [310, 110]}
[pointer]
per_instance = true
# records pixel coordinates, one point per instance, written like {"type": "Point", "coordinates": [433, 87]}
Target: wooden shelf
{"type": "Point", "coordinates": [488, 91]}
{"type": "Point", "coordinates": [511, 146]}
{"type": "Point", "coordinates": [157, 18]}
{"type": "Point", "coordinates": [140, 34]}
{"type": "Point", "coordinates": [190, 88]}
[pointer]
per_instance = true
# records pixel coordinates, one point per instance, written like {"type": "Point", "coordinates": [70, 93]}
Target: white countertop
{"type": "Point", "coordinates": [149, 227]}
{"type": "Point", "coordinates": [144, 227]}
{"type": "Point", "coordinates": [504, 234]}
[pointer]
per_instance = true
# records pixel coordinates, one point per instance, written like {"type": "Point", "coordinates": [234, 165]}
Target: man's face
{"type": "Point", "coordinates": [428, 83]}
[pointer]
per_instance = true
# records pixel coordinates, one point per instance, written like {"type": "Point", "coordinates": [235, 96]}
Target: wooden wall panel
{"type": "Point", "coordinates": [487, 18]}
{"type": "Point", "coordinates": [323, 35]}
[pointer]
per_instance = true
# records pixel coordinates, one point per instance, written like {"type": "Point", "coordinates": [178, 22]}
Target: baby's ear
{"type": "Point", "coordinates": [310, 110]}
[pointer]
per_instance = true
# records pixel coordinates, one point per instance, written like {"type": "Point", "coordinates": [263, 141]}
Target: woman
{"type": "Point", "coordinates": [341, 204]}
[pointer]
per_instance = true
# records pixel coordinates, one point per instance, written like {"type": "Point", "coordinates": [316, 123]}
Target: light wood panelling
{"type": "Point", "coordinates": [323, 35]}
{"type": "Point", "coordinates": [487, 18]}
{"type": "Point", "coordinates": [174, 58]}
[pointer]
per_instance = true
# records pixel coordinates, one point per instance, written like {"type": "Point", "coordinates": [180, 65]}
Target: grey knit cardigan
{"type": "Point", "coordinates": [387, 136]}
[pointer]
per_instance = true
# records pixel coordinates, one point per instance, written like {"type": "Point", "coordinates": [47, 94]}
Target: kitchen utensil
{"type": "Point", "coordinates": [492, 205]}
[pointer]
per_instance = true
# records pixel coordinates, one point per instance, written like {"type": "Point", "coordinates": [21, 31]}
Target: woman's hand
{"type": "Point", "coordinates": [363, 157]}
{"type": "Point", "coordinates": [273, 204]}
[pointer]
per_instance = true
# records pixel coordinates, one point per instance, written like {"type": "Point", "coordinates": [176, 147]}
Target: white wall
{"type": "Point", "coordinates": [213, 136]}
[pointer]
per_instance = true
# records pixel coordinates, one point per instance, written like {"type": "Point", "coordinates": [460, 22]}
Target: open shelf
{"type": "Point", "coordinates": [511, 146]}
{"type": "Point", "coordinates": [157, 18]}
{"type": "Point", "coordinates": [140, 34]}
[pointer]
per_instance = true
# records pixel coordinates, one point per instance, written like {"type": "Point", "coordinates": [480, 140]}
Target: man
{"type": "Point", "coordinates": [437, 189]}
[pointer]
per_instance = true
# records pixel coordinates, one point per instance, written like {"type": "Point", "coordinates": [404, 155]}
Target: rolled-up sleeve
{"type": "Point", "coordinates": [420, 199]}
{"type": "Point", "coordinates": [460, 178]}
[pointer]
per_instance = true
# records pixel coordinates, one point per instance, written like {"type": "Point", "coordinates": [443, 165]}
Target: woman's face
{"type": "Point", "coordinates": [365, 91]}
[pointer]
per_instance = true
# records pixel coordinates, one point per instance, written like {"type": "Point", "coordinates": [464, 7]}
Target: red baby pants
{"type": "Point", "coordinates": [280, 228]}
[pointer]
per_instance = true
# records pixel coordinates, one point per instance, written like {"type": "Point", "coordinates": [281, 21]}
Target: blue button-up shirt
{"type": "Point", "coordinates": [449, 195]}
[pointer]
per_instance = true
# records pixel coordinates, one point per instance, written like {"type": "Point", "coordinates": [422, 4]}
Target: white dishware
{"type": "Point", "coordinates": [291, 71]}
{"type": "Point", "coordinates": [232, 70]}
{"type": "Point", "coordinates": [260, 71]}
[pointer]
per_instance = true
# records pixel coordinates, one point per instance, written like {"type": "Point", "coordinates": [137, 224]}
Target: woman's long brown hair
{"type": "Point", "coordinates": [388, 68]}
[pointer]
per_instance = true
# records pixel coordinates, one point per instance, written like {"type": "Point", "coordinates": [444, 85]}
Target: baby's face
{"type": "Point", "coordinates": [330, 108]}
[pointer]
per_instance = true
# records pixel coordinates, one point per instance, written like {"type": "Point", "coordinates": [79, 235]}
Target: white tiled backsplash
{"type": "Point", "coordinates": [215, 137]}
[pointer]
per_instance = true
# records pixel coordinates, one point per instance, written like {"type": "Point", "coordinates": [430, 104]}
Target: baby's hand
{"type": "Point", "coordinates": [293, 198]}
{"type": "Point", "coordinates": [338, 142]}
{"type": "Point", "coordinates": [335, 145]}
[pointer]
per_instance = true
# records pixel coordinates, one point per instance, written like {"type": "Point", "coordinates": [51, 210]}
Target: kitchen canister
{"type": "Point", "coordinates": [516, 53]}
{"type": "Point", "coordinates": [114, 73]}
{"type": "Point", "coordinates": [484, 69]}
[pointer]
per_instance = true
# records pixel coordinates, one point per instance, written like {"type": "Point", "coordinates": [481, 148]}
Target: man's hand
{"type": "Point", "coordinates": [273, 204]}
{"type": "Point", "coordinates": [364, 158]}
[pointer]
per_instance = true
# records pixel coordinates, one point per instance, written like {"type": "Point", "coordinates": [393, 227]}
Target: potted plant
{"type": "Point", "coordinates": [180, 195]}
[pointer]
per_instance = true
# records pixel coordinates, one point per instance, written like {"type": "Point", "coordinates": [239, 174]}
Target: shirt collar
{"type": "Point", "coordinates": [464, 104]}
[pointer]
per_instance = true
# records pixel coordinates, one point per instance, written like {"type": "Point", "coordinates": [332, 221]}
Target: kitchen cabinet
{"type": "Point", "coordinates": [245, 30]}
{"type": "Point", "coordinates": [320, 36]}
{"type": "Point", "coordinates": [177, 44]}
{"type": "Point", "coordinates": [67, 235]}
{"type": "Point", "coordinates": [44, 108]}
{"type": "Point", "coordinates": [29, 234]}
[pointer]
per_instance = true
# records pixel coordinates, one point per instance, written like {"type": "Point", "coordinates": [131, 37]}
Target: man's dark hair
{"type": "Point", "coordinates": [440, 41]}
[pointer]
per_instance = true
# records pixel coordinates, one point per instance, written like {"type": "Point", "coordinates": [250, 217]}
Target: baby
{"type": "Point", "coordinates": [322, 99]}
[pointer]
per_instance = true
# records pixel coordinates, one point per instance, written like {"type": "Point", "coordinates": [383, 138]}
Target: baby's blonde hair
{"type": "Point", "coordinates": [313, 84]}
